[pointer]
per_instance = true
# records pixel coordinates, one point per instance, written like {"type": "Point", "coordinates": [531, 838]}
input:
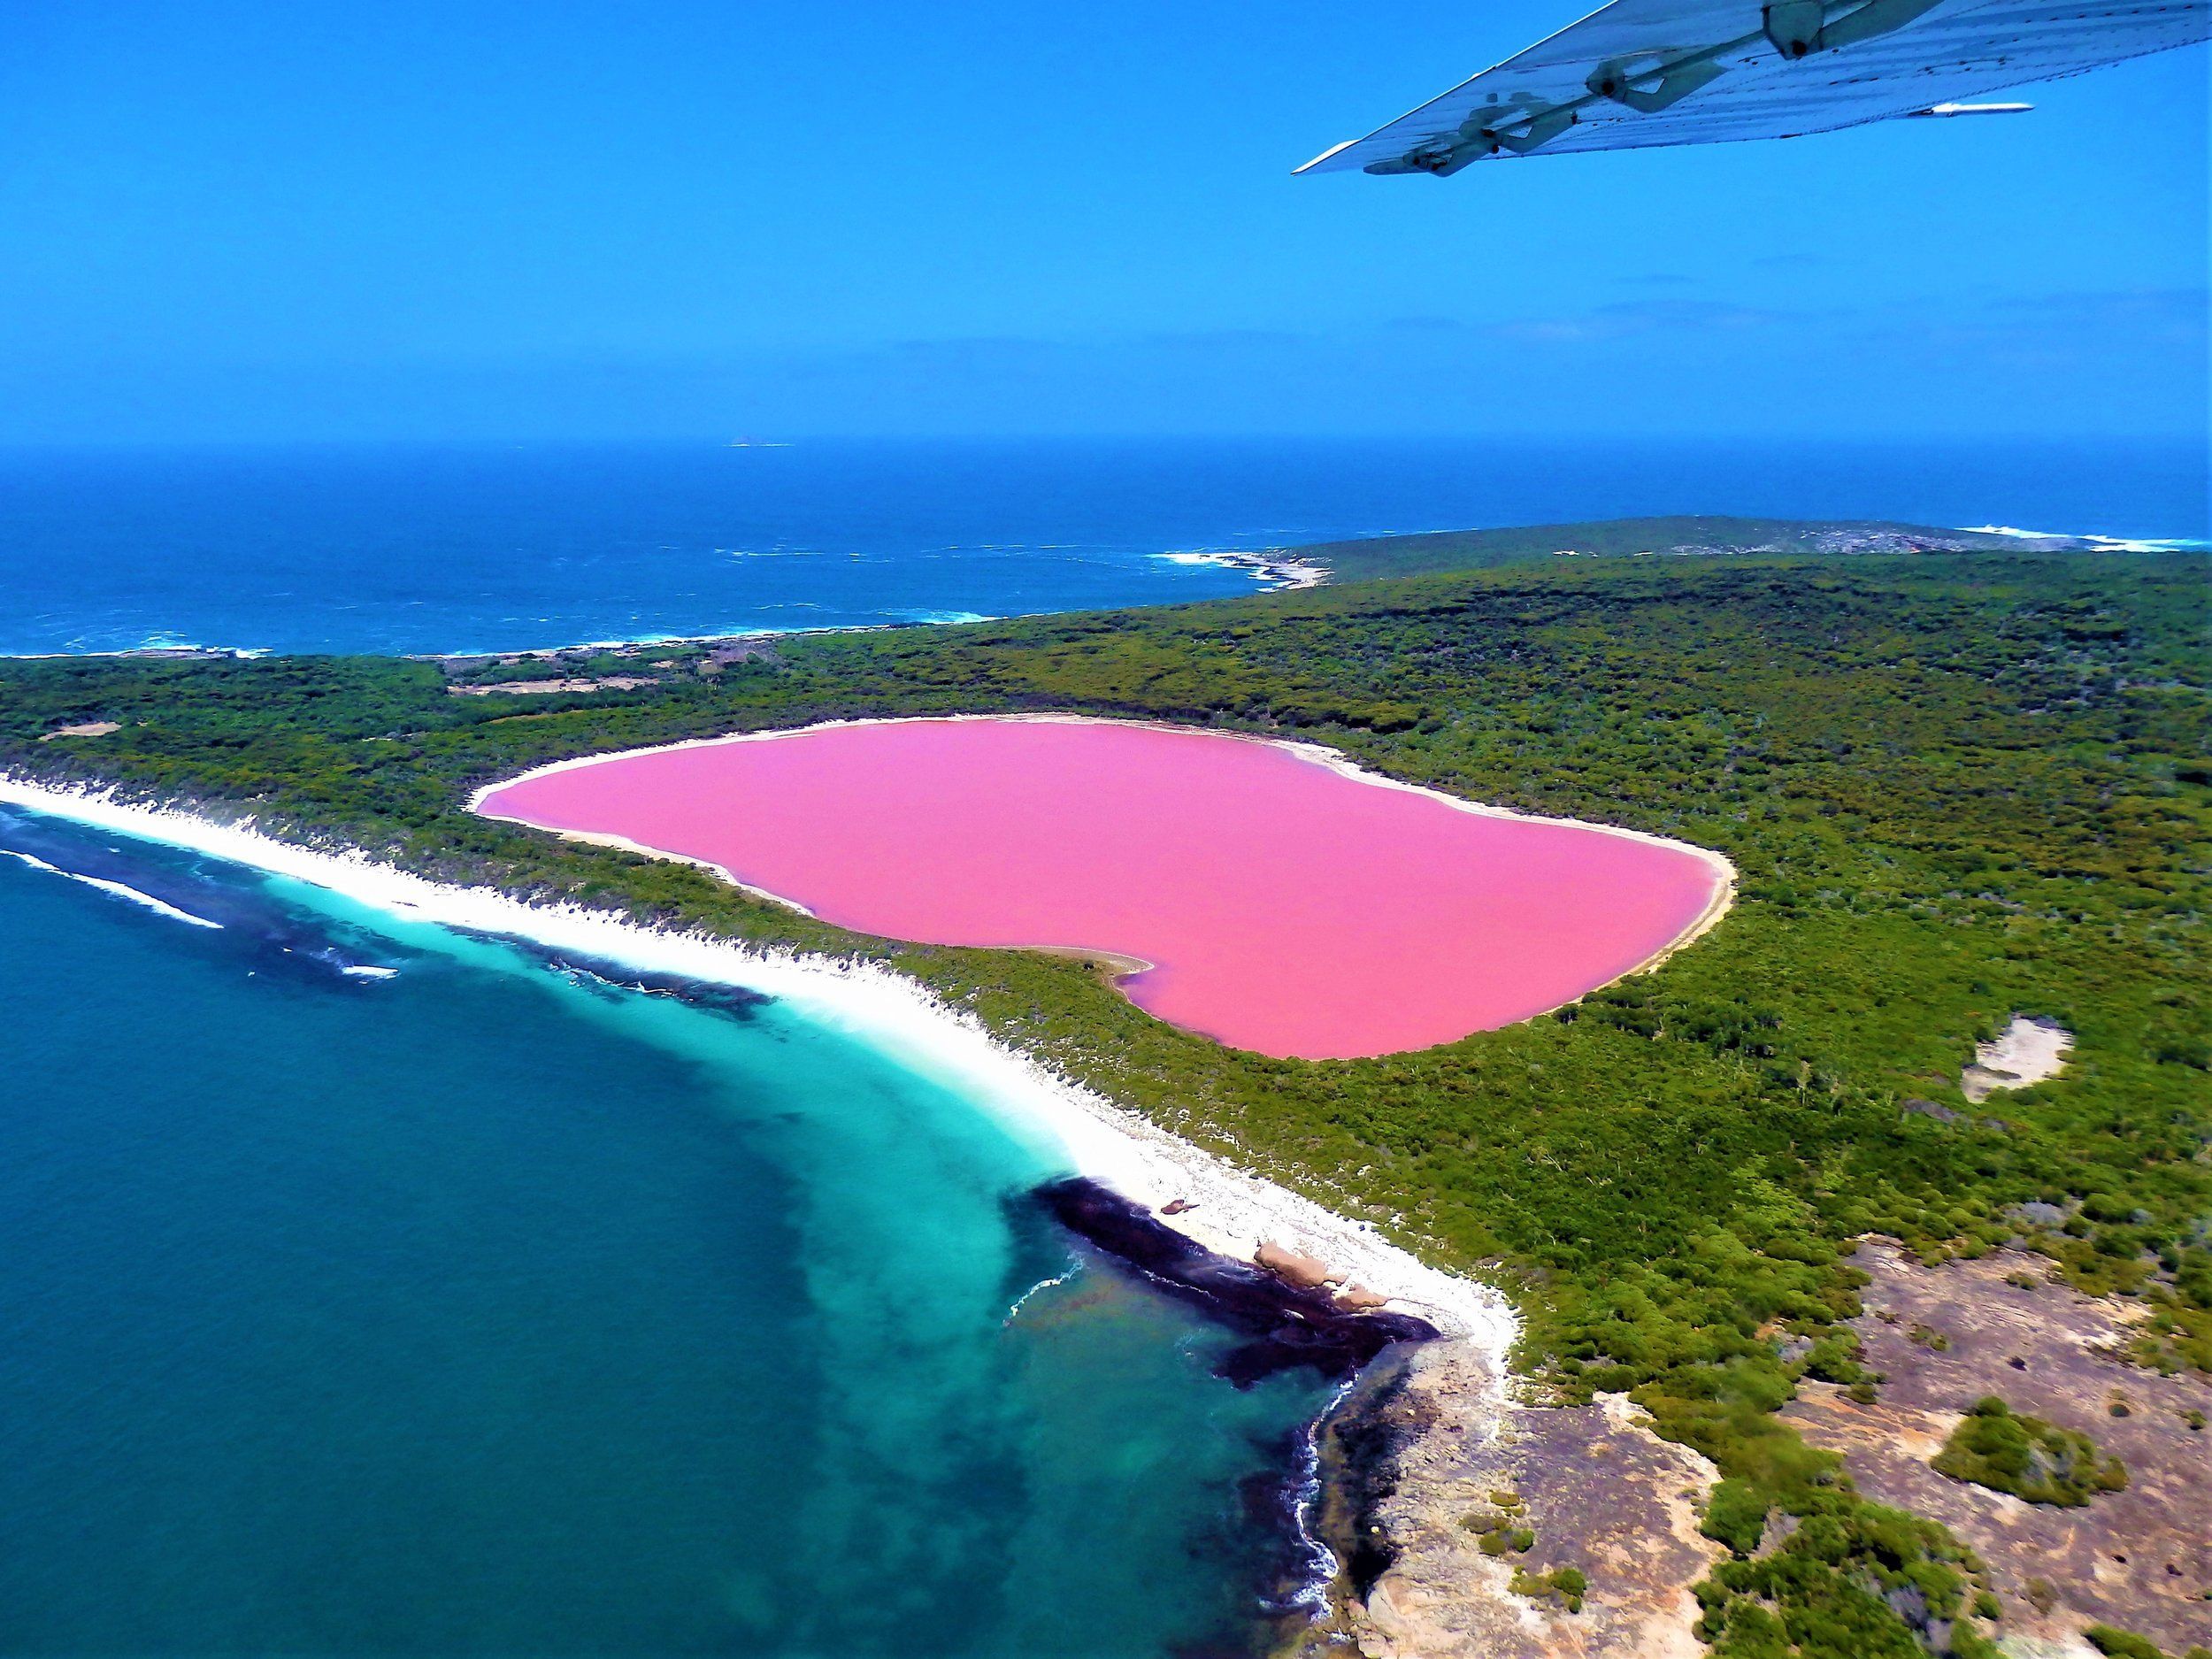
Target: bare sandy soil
{"type": "Point", "coordinates": [2026, 1051]}
{"type": "Point", "coordinates": [2140, 1559]}
{"type": "Point", "coordinates": [548, 688]}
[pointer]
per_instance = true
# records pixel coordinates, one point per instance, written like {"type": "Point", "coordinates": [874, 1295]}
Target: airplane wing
{"type": "Point", "coordinates": [1639, 72]}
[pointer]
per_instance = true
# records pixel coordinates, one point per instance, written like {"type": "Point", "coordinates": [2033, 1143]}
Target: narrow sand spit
{"type": "Point", "coordinates": [2026, 1051]}
{"type": "Point", "coordinates": [1228, 1209]}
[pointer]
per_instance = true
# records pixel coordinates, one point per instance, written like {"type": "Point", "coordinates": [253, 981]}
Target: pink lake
{"type": "Point", "coordinates": [1286, 907]}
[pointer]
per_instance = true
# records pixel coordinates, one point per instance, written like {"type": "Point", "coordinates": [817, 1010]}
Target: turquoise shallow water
{"type": "Point", "coordinates": [489, 1309]}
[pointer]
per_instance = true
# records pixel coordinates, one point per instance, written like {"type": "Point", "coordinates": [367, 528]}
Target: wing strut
{"type": "Point", "coordinates": [1636, 74]}
{"type": "Point", "coordinates": [1797, 29]}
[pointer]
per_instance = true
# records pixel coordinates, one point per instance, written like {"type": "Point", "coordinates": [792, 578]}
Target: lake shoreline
{"type": "Point", "coordinates": [1366, 1479]}
{"type": "Point", "coordinates": [1227, 1208]}
{"type": "Point", "coordinates": [1120, 964]}
{"type": "Point", "coordinates": [1227, 1212]}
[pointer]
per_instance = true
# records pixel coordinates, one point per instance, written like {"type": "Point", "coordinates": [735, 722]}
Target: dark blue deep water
{"type": "Point", "coordinates": [477, 548]}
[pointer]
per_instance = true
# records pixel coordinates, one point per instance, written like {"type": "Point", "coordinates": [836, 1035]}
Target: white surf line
{"type": "Point", "coordinates": [1231, 1212]}
{"type": "Point", "coordinates": [1722, 868]}
{"type": "Point", "coordinates": [118, 889]}
{"type": "Point", "coordinates": [2100, 543]}
{"type": "Point", "coordinates": [1277, 571]}
{"type": "Point", "coordinates": [645, 641]}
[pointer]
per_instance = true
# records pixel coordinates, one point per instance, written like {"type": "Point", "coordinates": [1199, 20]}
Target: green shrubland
{"type": "Point", "coordinates": [2122, 1644]}
{"type": "Point", "coordinates": [1955, 787]}
{"type": "Point", "coordinates": [2027, 1457]}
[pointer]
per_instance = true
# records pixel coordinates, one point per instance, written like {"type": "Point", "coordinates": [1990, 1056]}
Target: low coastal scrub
{"type": "Point", "coordinates": [2027, 1457]}
{"type": "Point", "coordinates": [2121, 1644]}
{"type": "Point", "coordinates": [1502, 1528]}
{"type": "Point", "coordinates": [1567, 1586]}
{"type": "Point", "coordinates": [1957, 787]}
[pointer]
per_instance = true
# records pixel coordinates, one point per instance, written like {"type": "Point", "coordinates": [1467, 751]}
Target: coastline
{"type": "Point", "coordinates": [1223, 1209]}
{"type": "Point", "coordinates": [1421, 1432]}
{"type": "Point", "coordinates": [1274, 570]}
{"type": "Point", "coordinates": [1373, 1478]}
{"type": "Point", "coordinates": [1227, 1208]}
{"type": "Point", "coordinates": [1271, 572]}
{"type": "Point", "coordinates": [1279, 570]}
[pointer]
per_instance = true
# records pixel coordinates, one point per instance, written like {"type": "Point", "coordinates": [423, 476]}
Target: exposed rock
{"type": "Point", "coordinates": [2026, 1051]}
{"type": "Point", "coordinates": [1359, 1297]}
{"type": "Point", "coordinates": [1292, 1268]}
{"type": "Point", "coordinates": [86, 728]}
{"type": "Point", "coordinates": [1598, 1489]}
{"type": "Point", "coordinates": [1286, 1324]}
{"type": "Point", "coordinates": [2140, 1559]}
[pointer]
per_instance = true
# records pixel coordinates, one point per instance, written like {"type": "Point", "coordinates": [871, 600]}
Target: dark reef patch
{"type": "Point", "coordinates": [595, 973]}
{"type": "Point", "coordinates": [1358, 1443]}
{"type": "Point", "coordinates": [1283, 1324]}
{"type": "Point", "coordinates": [1300, 1553]}
{"type": "Point", "coordinates": [277, 936]}
{"type": "Point", "coordinates": [274, 936]}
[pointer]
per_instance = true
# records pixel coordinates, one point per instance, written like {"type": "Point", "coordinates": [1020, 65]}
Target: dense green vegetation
{"type": "Point", "coordinates": [1565, 1584]}
{"type": "Point", "coordinates": [2122, 1644]}
{"type": "Point", "coordinates": [1955, 787]}
{"type": "Point", "coordinates": [1445, 551]}
{"type": "Point", "coordinates": [2027, 1457]}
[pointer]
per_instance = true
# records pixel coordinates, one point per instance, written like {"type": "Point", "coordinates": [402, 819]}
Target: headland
{"type": "Point", "coordinates": [1960, 789]}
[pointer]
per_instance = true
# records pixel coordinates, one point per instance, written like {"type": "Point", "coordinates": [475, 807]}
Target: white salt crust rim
{"type": "Point", "coordinates": [1722, 870]}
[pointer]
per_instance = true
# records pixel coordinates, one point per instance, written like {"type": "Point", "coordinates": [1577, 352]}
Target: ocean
{"type": "Point", "coordinates": [477, 548]}
{"type": "Point", "coordinates": [366, 1287]}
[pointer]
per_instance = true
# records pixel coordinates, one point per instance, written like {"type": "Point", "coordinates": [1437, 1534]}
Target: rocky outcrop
{"type": "Point", "coordinates": [1945, 1336]}
{"type": "Point", "coordinates": [1424, 1462]}
{"type": "Point", "coordinates": [1285, 1323]}
{"type": "Point", "coordinates": [1293, 1268]}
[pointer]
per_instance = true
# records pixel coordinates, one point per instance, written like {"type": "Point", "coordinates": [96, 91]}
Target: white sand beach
{"type": "Point", "coordinates": [1227, 1208]}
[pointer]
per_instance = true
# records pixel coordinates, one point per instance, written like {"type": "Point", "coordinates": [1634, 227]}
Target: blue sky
{"type": "Point", "coordinates": [246, 222]}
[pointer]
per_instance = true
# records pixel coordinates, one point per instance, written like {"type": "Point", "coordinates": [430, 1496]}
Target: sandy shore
{"type": "Point", "coordinates": [1228, 1209]}
{"type": "Point", "coordinates": [1470, 1420]}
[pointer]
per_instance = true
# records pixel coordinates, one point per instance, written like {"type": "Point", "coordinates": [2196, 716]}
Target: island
{"type": "Point", "coordinates": [1766, 1252]}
